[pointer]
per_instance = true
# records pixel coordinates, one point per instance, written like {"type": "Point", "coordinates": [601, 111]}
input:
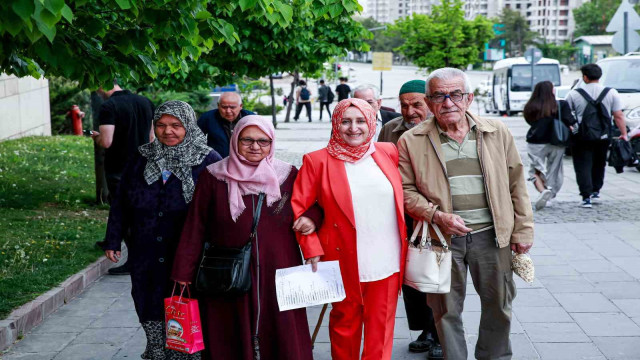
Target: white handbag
{"type": "Point", "coordinates": [428, 268]}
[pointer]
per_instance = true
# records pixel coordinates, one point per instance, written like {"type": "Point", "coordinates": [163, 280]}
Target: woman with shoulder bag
{"type": "Point", "coordinates": [551, 121]}
{"type": "Point", "coordinates": [243, 203]}
{"type": "Point", "coordinates": [358, 185]}
{"type": "Point", "coordinates": [151, 204]}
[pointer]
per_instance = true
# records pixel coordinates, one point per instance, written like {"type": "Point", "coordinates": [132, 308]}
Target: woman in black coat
{"type": "Point", "coordinates": [150, 208]}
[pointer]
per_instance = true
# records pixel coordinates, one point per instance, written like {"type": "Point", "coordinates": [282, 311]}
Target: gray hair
{"type": "Point", "coordinates": [448, 74]}
{"type": "Point", "coordinates": [365, 87]}
{"type": "Point", "coordinates": [229, 93]}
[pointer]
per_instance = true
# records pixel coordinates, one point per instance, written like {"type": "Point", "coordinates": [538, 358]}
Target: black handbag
{"type": "Point", "coordinates": [225, 270]}
{"type": "Point", "coordinates": [560, 133]}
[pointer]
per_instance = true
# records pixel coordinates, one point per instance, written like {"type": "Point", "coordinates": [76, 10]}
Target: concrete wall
{"type": "Point", "coordinates": [24, 107]}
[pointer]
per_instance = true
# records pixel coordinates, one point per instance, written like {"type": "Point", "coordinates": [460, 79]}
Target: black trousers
{"type": "Point", "coordinates": [299, 109]}
{"type": "Point", "coordinates": [589, 161]}
{"type": "Point", "coordinates": [325, 104]}
{"type": "Point", "coordinates": [419, 314]}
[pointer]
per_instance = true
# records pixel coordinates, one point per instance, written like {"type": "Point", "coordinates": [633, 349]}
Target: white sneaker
{"type": "Point", "coordinates": [543, 198]}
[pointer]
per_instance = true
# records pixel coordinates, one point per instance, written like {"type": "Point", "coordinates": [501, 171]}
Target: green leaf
{"type": "Point", "coordinates": [247, 4]}
{"type": "Point", "coordinates": [286, 11]}
{"type": "Point", "coordinates": [13, 25]}
{"type": "Point", "coordinates": [67, 13]}
{"type": "Point", "coordinates": [124, 4]}
{"type": "Point", "coordinates": [134, 75]}
{"type": "Point", "coordinates": [55, 6]}
{"type": "Point", "coordinates": [49, 32]}
{"type": "Point", "coordinates": [335, 10]}
{"type": "Point", "coordinates": [203, 15]}
{"type": "Point", "coordinates": [24, 9]}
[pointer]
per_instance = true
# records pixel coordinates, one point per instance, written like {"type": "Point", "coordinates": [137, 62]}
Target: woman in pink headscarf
{"type": "Point", "coordinates": [221, 215]}
{"type": "Point", "coordinates": [358, 185]}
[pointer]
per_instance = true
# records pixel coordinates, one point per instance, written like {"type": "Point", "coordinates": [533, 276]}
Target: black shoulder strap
{"type": "Point", "coordinates": [256, 215]}
{"type": "Point", "coordinates": [602, 95]}
{"type": "Point", "coordinates": [585, 95]}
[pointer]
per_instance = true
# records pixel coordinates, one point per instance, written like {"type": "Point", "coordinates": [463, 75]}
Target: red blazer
{"type": "Point", "coordinates": [323, 179]}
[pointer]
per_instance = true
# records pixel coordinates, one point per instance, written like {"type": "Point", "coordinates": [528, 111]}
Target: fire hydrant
{"type": "Point", "coordinates": [76, 119]}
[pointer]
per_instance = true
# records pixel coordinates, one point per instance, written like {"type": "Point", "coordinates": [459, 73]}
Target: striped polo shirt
{"type": "Point", "coordinates": [465, 178]}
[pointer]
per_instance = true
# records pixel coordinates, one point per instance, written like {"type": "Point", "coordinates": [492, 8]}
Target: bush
{"type": "Point", "coordinates": [263, 109]}
{"type": "Point", "coordinates": [64, 93]}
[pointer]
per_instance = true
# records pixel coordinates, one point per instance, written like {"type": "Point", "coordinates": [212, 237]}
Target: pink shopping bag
{"type": "Point", "coordinates": [182, 323]}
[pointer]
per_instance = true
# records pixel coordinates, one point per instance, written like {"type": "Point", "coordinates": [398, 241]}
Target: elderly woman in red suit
{"type": "Point", "coordinates": [359, 188]}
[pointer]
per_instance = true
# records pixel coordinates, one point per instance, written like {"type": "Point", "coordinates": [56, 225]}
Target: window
{"type": "Point", "coordinates": [563, 22]}
{"type": "Point", "coordinates": [564, 12]}
{"type": "Point", "coordinates": [562, 32]}
{"type": "Point", "coordinates": [508, 6]}
{"type": "Point", "coordinates": [564, 2]}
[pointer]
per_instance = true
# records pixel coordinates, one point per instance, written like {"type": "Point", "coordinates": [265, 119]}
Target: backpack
{"type": "Point", "coordinates": [304, 94]}
{"type": "Point", "coordinates": [596, 121]}
{"type": "Point", "coordinates": [330, 96]}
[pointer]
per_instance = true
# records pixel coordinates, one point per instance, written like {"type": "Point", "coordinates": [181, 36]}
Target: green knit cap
{"type": "Point", "coordinates": [414, 86]}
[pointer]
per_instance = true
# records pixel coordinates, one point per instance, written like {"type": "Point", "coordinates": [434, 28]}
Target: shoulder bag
{"type": "Point", "coordinates": [225, 270]}
{"type": "Point", "coordinates": [428, 268]}
{"type": "Point", "coordinates": [560, 133]}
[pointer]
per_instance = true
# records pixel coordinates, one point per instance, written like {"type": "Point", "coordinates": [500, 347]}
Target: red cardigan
{"type": "Point", "coordinates": [323, 179]}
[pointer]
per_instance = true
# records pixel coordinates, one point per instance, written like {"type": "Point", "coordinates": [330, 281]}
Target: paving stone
{"type": "Point", "coordinates": [323, 334]}
{"type": "Point", "coordinates": [89, 307]}
{"type": "Point", "coordinates": [555, 270]}
{"type": "Point", "coordinates": [87, 352]}
{"type": "Point", "coordinates": [555, 332]}
{"type": "Point", "coordinates": [542, 315]}
{"type": "Point", "coordinates": [564, 351]}
{"type": "Point", "coordinates": [64, 324]}
{"type": "Point", "coordinates": [583, 253]}
{"type": "Point", "coordinates": [522, 347]}
{"type": "Point", "coordinates": [597, 278]}
{"type": "Point", "coordinates": [117, 319]}
{"type": "Point", "coordinates": [585, 302]}
{"type": "Point", "coordinates": [106, 290]}
{"type": "Point", "coordinates": [630, 307]}
{"type": "Point", "coordinates": [606, 324]}
{"type": "Point", "coordinates": [619, 348]}
{"type": "Point", "coordinates": [43, 343]}
{"type": "Point", "coordinates": [567, 284]}
{"type": "Point", "coordinates": [322, 351]}
{"type": "Point", "coordinates": [612, 248]}
{"type": "Point", "coordinates": [628, 264]}
{"type": "Point", "coordinates": [548, 260]}
{"type": "Point", "coordinates": [401, 330]}
{"type": "Point", "coordinates": [620, 289]}
{"type": "Point", "coordinates": [590, 266]}
{"type": "Point", "coordinates": [534, 298]}
{"type": "Point", "coordinates": [105, 336]}
{"type": "Point", "coordinates": [29, 356]}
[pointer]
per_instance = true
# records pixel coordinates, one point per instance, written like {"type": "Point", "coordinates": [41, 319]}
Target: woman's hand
{"type": "Point", "coordinates": [304, 225]}
{"type": "Point", "coordinates": [112, 255]}
{"type": "Point", "coordinates": [314, 263]}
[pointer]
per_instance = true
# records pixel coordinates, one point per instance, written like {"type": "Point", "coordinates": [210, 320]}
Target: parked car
{"type": "Point", "coordinates": [562, 91]}
{"type": "Point", "coordinates": [623, 74]}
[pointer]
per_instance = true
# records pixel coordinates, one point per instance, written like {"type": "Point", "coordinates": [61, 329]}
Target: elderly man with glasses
{"type": "Point", "coordinates": [463, 173]}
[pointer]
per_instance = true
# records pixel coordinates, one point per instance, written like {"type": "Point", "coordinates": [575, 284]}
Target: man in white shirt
{"type": "Point", "coordinates": [589, 157]}
{"type": "Point", "coordinates": [371, 94]}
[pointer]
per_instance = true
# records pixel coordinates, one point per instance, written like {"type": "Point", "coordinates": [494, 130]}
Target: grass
{"type": "Point", "coordinates": [48, 218]}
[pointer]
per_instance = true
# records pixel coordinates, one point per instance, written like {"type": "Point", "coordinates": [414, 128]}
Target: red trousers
{"type": "Point", "coordinates": [377, 315]}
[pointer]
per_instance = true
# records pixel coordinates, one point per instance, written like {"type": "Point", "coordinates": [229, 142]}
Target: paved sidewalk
{"type": "Point", "coordinates": [584, 303]}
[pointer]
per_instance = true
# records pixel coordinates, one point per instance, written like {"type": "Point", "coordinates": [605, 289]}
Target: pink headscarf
{"type": "Point", "coordinates": [338, 148]}
{"type": "Point", "coordinates": [244, 177]}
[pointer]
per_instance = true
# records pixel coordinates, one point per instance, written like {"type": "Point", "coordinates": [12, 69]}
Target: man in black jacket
{"type": "Point", "coordinates": [218, 124]}
{"type": "Point", "coordinates": [371, 94]}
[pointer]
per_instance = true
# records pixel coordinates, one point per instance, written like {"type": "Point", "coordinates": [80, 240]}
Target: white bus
{"type": "Point", "coordinates": [512, 82]}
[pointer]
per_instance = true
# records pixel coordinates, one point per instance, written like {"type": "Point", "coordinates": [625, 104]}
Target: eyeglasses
{"type": "Point", "coordinates": [250, 141]}
{"type": "Point", "coordinates": [228, 107]}
{"type": "Point", "coordinates": [440, 98]}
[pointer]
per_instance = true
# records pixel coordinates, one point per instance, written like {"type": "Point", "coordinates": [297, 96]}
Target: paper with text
{"type": "Point", "coordinates": [299, 287]}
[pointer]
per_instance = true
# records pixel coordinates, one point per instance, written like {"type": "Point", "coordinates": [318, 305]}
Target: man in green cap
{"type": "Point", "coordinates": [414, 110]}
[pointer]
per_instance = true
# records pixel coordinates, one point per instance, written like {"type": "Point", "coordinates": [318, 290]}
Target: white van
{"type": "Point", "coordinates": [623, 74]}
{"type": "Point", "coordinates": [512, 82]}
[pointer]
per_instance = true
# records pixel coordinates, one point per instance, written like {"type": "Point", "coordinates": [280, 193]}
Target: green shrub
{"type": "Point", "coordinates": [263, 109]}
{"type": "Point", "coordinates": [63, 94]}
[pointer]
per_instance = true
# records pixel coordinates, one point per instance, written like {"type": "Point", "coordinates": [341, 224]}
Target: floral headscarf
{"type": "Point", "coordinates": [338, 148]}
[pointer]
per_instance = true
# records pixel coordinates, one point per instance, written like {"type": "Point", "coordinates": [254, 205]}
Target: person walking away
{"type": "Point", "coordinates": [371, 95]}
{"type": "Point", "coordinates": [358, 185]}
{"type": "Point", "coordinates": [303, 99]}
{"type": "Point", "coordinates": [151, 203]}
{"type": "Point", "coordinates": [343, 90]}
{"type": "Point", "coordinates": [419, 315]}
{"type": "Point", "coordinates": [593, 105]}
{"type": "Point", "coordinates": [464, 173]}
{"type": "Point", "coordinates": [221, 215]}
{"type": "Point", "coordinates": [545, 158]}
{"type": "Point", "coordinates": [125, 124]}
{"type": "Point", "coordinates": [218, 124]}
{"type": "Point", "coordinates": [323, 98]}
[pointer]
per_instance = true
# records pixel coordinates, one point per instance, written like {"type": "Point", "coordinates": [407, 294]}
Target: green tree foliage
{"type": "Point", "coordinates": [517, 34]}
{"type": "Point", "coordinates": [382, 40]}
{"type": "Point", "coordinates": [593, 17]}
{"type": "Point", "coordinates": [63, 94]}
{"type": "Point", "coordinates": [186, 43]}
{"type": "Point", "coordinates": [445, 38]}
{"type": "Point", "coordinates": [562, 53]}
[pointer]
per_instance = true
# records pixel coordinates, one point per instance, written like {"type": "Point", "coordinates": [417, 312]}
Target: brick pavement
{"type": "Point", "coordinates": [584, 303]}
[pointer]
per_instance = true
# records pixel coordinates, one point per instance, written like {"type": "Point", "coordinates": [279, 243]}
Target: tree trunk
{"type": "Point", "coordinates": [273, 102]}
{"type": "Point", "coordinates": [291, 100]}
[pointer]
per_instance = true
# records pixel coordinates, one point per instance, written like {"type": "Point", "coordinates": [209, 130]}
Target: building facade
{"type": "Point", "coordinates": [24, 107]}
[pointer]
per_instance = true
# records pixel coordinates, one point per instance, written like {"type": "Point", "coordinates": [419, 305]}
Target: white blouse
{"type": "Point", "coordinates": [378, 240]}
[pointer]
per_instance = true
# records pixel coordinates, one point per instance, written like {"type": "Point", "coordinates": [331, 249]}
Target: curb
{"type": "Point", "coordinates": [26, 317]}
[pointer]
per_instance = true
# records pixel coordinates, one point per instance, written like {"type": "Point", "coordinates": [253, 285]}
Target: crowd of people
{"type": "Point", "coordinates": [198, 184]}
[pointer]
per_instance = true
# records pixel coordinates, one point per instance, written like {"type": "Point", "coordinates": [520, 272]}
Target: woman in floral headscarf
{"type": "Point", "coordinates": [358, 185]}
{"type": "Point", "coordinates": [151, 205]}
{"type": "Point", "coordinates": [221, 215]}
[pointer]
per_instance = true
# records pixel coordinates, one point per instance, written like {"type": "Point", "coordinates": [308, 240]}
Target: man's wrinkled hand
{"type": "Point", "coordinates": [521, 248]}
{"type": "Point", "coordinates": [304, 225]}
{"type": "Point", "coordinates": [450, 224]}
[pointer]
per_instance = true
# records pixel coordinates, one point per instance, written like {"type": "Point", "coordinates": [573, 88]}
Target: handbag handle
{"type": "Point", "coordinates": [425, 240]}
{"type": "Point", "coordinates": [256, 216]}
